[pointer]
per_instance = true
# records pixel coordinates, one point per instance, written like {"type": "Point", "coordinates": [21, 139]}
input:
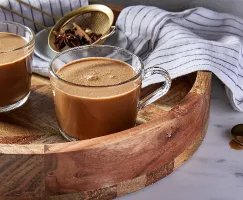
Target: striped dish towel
{"type": "Point", "coordinates": [58, 8]}
{"type": "Point", "coordinates": [188, 41]}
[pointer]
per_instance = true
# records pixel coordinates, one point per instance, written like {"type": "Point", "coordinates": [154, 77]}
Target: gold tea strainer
{"type": "Point", "coordinates": [96, 17]}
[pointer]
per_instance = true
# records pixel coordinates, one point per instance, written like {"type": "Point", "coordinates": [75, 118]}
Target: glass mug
{"type": "Point", "coordinates": [81, 116]}
{"type": "Point", "coordinates": [15, 65]}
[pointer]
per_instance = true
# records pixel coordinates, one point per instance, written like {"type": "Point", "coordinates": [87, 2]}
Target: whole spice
{"type": "Point", "coordinates": [81, 33]}
{"type": "Point", "coordinates": [75, 36]}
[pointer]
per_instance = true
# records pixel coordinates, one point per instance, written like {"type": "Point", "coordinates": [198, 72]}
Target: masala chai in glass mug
{"type": "Point", "coordinates": [16, 50]}
{"type": "Point", "coordinates": [97, 90]}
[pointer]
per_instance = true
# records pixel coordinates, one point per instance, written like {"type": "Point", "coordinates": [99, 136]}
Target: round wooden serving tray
{"type": "Point", "coordinates": [37, 163]}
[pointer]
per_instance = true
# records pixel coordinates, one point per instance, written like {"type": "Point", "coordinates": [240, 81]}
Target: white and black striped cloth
{"type": "Point", "coordinates": [58, 8]}
{"type": "Point", "coordinates": [188, 41]}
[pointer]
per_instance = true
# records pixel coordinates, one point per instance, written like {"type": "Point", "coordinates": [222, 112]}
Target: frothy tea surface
{"type": "Point", "coordinates": [9, 42]}
{"type": "Point", "coordinates": [96, 72]}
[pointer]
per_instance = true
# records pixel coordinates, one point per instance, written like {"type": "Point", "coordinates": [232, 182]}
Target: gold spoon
{"type": "Point", "coordinates": [237, 133]}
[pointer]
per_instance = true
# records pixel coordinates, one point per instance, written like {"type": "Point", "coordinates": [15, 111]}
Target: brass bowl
{"type": "Point", "coordinates": [237, 133]}
{"type": "Point", "coordinates": [98, 18]}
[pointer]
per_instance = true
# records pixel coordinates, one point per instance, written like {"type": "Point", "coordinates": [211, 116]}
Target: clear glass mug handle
{"type": "Point", "coordinates": [148, 73]}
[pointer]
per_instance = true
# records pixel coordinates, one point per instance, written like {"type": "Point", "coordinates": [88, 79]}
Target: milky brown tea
{"type": "Point", "coordinates": [95, 104]}
{"type": "Point", "coordinates": [14, 69]}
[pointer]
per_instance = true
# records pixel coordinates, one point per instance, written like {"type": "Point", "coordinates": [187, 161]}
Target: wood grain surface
{"type": "Point", "coordinates": [37, 163]}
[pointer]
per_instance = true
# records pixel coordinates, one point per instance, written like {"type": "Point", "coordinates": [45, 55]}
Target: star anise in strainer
{"type": "Point", "coordinates": [75, 36]}
{"type": "Point", "coordinates": [67, 38]}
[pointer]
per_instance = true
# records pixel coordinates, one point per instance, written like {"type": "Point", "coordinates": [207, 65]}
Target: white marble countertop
{"type": "Point", "coordinates": [215, 171]}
